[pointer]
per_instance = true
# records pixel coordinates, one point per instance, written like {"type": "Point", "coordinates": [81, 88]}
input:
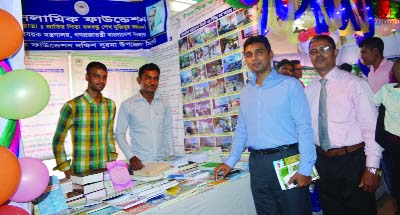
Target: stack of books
{"type": "Point", "coordinates": [91, 185]}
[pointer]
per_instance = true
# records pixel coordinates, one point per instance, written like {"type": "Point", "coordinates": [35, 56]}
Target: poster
{"type": "Point", "coordinates": [212, 71]}
{"type": "Point", "coordinates": [37, 131]}
{"type": "Point", "coordinates": [93, 24]}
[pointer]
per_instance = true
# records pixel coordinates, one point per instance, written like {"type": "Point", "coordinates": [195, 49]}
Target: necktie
{"type": "Point", "coordinates": [323, 118]}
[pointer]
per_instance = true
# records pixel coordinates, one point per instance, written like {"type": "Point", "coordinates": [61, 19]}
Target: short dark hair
{"type": "Point", "coordinates": [257, 39]}
{"type": "Point", "coordinates": [346, 67]}
{"type": "Point", "coordinates": [147, 67]}
{"type": "Point", "coordinates": [294, 62]}
{"type": "Point", "coordinates": [283, 62]}
{"type": "Point", "coordinates": [373, 43]}
{"type": "Point", "coordinates": [95, 64]}
{"type": "Point", "coordinates": [323, 37]}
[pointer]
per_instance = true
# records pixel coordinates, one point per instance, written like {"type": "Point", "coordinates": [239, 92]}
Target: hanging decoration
{"type": "Point", "coordinates": [249, 3]}
{"type": "Point", "coordinates": [236, 4]}
{"type": "Point", "coordinates": [263, 17]}
{"type": "Point", "coordinates": [321, 25]}
{"type": "Point", "coordinates": [384, 9]}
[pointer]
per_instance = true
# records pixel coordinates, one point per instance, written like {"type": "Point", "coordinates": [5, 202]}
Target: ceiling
{"type": "Point", "coordinates": [176, 6]}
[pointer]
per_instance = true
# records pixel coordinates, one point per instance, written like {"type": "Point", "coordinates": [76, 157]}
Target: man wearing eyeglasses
{"type": "Point", "coordinates": [343, 117]}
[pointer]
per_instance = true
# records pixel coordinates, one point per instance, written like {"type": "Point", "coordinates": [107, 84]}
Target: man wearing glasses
{"type": "Point", "coordinates": [343, 117]}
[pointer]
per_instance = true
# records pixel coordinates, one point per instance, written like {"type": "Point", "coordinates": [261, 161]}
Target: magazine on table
{"type": "Point", "coordinates": [285, 168]}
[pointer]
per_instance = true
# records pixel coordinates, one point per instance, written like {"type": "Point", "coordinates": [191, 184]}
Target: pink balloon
{"type": "Point", "coordinates": [12, 210]}
{"type": "Point", "coordinates": [34, 180]}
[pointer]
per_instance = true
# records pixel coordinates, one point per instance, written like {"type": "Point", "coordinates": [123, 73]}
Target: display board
{"type": "Point", "coordinates": [37, 131]}
{"type": "Point", "coordinates": [212, 71]}
{"type": "Point", "coordinates": [66, 77]}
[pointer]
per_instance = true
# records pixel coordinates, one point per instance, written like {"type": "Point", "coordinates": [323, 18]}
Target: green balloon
{"type": "Point", "coordinates": [23, 93]}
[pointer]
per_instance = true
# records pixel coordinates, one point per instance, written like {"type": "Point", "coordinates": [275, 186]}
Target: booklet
{"type": "Point", "coordinates": [285, 168]}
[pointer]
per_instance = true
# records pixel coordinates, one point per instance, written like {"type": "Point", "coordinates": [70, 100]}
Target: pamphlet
{"type": "Point", "coordinates": [285, 168]}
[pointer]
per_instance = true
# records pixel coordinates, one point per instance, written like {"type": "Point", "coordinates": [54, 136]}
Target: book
{"type": "Point", "coordinates": [52, 199]}
{"type": "Point", "coordinates": [96, 194]}
{"type": "Point", "coordinates": [105, 210]}
{"type": "Point", "coordinates": [177, 160]}
{"type": "Point", "coordinates": [88, 188]}
{"type": "Point", "coordinates": [118, 171]}
{"type": "Point", "coordinates": [209, 166]}
{"type": "Point", "coordinates": [87, 177]}
{"type": "Point", "coordinates": [285, 168]}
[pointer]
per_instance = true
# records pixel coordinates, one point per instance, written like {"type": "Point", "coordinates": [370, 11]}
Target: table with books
{"type": "Point", "coordinates": [187, 189]}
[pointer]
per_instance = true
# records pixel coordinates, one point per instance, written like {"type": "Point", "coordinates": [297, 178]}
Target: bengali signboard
{"type": "Point", "coordinates": [93, 24]}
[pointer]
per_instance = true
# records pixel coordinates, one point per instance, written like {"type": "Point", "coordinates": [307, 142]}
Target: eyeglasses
{"type": "Point", "coordinates": [320, 50]}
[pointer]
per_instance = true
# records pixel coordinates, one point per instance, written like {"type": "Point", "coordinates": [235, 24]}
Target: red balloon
{"type": "Point", "coordinates": [11, 35]}
{"type": "Point", "coordinates": [10, 174]}
{"type": "Point", "coordinates": [303, 36]}
{"type": "Point", "coordinates": [12, 210]}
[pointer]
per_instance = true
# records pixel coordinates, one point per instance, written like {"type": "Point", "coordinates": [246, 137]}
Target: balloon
{"type": "Point", "coordinates": [12, 210]}
{"type": "Point", "coordinates": [23, 94]}
{"type": "Point", "coordinates": [10, 174]}
{"type": "Point", "coordinates": [11, 35]}
{"type": "Point", "coordinates": [303, 36]}
{"type": "Point", "coordinates": [34, 180]}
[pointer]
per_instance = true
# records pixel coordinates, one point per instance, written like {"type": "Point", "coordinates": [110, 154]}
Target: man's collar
{"type": "Point", "coordinates": [272, 76]}
{"type": "Point", "coordinates": [92, 100]}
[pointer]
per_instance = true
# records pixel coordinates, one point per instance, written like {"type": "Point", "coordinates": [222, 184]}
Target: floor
{"type": "Point", "coordinates": [386, 205]}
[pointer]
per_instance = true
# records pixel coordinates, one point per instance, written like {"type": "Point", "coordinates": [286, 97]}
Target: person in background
{"type": "Point", "coordinates": [90, 117]}
{"type": "Point", "coordinates": [371, 53]}
{"type": "Point", "coordinates": [343, 118]}
{"type": "Point", "coordinates": [274, 122]}
{"type": "Point", "coordinates": [297, 70]}
{"type": "Point", "coordinates": [389, 99]}
{"type": "Point", "coordinates": [148, 117]}
{"type": "Point", "coordinates": [346, 67]}
{"type": "Point", "coordinates": [285, 67]}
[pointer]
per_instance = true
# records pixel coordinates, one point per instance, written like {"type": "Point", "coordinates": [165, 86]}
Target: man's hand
{"type": "Point", "coordinates": [68, 174]}
{"type": "Point", "coordinates": [300, 180]}
{"type": "Point", "coordinates": [221, 170]}
{"type": "Point", "coordinates": [135, 163]}
{"type": "Point", "coordinates": [369, 181]}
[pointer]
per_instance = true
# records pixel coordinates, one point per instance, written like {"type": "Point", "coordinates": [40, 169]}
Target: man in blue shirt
{"type": "Point", "coordinates": [149, 119]}
{"type": "Point", "coordinates": [274, 122]}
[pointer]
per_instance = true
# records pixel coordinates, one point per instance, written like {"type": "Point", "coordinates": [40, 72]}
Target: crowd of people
{"type": "Point", "coordinates": [333, 123]}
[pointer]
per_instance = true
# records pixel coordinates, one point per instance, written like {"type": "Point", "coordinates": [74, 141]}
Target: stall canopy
{"type": "Point", "coordinates": [93, 24]}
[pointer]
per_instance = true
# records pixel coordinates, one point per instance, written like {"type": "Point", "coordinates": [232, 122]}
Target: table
{"type": "Point", "coordinates": [231, 198]}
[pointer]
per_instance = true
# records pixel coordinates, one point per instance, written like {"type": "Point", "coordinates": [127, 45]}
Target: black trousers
{"type": "Point", "coordinates": [268, 196]}
{"type": "Point", "coordinates": [393, 158]}
{"type": "Point", "coordinates": [338, 185]}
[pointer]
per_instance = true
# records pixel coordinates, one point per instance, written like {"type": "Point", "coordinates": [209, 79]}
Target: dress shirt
{"type": "Point", "coordinates": [352, 114]}
{"type": "Point", "coordinates": [390, 98]}
{"type": "Point", "coordinates": [381, 76]}
{"type": "Point", "coordinates": [150, 128]}
{"type": "Point", "coordinates": [92, 134]}
{"type": "Point", "coordinates": [273, 115]}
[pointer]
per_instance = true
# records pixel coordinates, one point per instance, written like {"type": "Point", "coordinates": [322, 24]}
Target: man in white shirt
{"type": "Point", "coordinates": [149, 119]}
{"type": "Point", "coordinates": [343, 117]}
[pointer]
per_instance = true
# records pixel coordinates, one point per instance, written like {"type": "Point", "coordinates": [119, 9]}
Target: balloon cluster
{"type": "Point", "coordinates": [22, 180]}
{"type": "Point", "coordinates": [23, 94]}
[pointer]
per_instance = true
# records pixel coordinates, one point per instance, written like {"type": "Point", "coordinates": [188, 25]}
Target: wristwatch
{"type": "Point", "coordinates": [374, 171]}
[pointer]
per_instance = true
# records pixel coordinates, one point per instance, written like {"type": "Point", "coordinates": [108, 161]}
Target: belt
{"type": "Point", "coordinates": [273, 150]}
{"type": "Point", "coordinates": [340, 151]}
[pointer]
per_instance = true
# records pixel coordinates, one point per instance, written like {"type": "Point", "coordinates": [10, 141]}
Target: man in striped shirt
{"type": "Point", "coordinates": [90, 117]}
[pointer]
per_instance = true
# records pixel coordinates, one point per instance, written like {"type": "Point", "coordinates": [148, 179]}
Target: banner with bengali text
{"type": "Point", "coordinates": [93, 24]}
